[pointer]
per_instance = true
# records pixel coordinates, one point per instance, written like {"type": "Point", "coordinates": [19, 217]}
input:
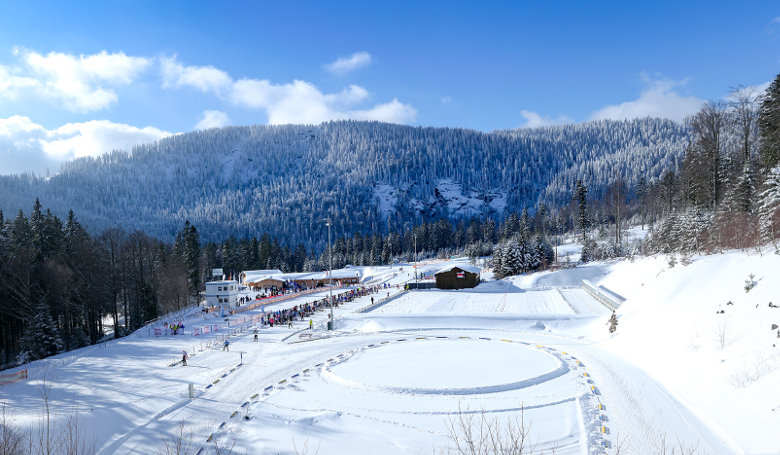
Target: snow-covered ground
{"type": "Point", "coordinates": [387, 381]}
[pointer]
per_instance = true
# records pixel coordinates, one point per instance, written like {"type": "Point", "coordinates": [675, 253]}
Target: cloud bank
{"type": "Point", "coordinates": [658, 98]}
{"type": "Point", "coordinates": [78, 84]}
{"type": "Point", "coordinates": [28, 147]}
{"type": "Point", "coordinates": [294, 102]}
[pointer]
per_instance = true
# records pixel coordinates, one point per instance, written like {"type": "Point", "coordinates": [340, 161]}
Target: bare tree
{"type": "Point", "coordinates": [305, 448]}
{"type": "Point", "coordinates": [616, 196]}
{"type": "Point", "coordinates": [73, 440]}
{"type": "Point", "coordinates": [709, 128]}
{"type": "Point", "coordinates": [177, 442]}
{"type": "Point", "coordinates": [475, 433]}
{"type": "Point", "coordinates": [11, 442]}
{"type": "Point", "coordinates": [722, 332]}
{"type": "Point", "coordinates": [744, 102]}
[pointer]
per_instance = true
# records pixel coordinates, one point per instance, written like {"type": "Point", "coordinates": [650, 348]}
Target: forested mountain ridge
{"type": "Point", "coordinates": [283, 180]}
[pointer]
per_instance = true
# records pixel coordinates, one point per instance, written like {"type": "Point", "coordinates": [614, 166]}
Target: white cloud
{"type": "Point", "coordinates": [205, 78]}
{"type": "Point", "coordinates": [534, 120]}
{"type": "Point", "coordinates": [446, 100]}
{"type": "Point", "coordinates": [392, 112]}
{"type": "Point", "coordinates": [27, 146]}
{"type": "Point", "coordinates": [77, 83]}
{"type": "Point", "coordinates": [212, 119]}
{"type": "Point", "coordinates": [658, 99]}
{"type": "Point", "coordinates": [344, 65]}
{"type": "Point", "coordinates": [295, 102]}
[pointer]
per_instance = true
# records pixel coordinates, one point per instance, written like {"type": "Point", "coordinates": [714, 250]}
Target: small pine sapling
{"type": "Point", "coordinates": [613, 322]}
{"type": "Point", "coordinates": [750, 283]}
{"type": "Point", "coordinates": [671, 260]}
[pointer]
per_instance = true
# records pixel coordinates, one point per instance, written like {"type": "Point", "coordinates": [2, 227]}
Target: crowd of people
{"type": "Point", "coordinates": [303, 311]}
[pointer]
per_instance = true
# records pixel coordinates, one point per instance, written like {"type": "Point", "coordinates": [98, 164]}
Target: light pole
{"type": "Point", "coordinates": [330, 274]}
{"type": "Point", "coordinates": [415, 262]}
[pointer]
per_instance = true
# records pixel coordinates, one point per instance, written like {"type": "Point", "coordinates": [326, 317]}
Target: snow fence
{"type": "Point", "coordinates": [8, 379]}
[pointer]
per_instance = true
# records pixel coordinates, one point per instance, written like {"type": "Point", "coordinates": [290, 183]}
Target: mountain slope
{"type": "Point", "coordinates": [247, 180]}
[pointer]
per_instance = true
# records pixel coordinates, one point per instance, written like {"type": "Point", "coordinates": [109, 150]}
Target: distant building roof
{"type": "Point", "coordinates": [252, 276]}
{"type": "Point", "coordinates": [465, 267]}
{"type": "Point", "coordinates": [222, 282]}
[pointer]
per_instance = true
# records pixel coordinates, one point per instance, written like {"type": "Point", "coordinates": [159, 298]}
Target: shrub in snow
{"type": "Point", "coordinates": [686, 259]}
{"type": "Point", "coordinates": [613, 322]}
{"type": "Point", "coordinates": [671, 260]}
{"type": "Point", "coordinates": [750, 283]}
{"type": "Point", "coordinates": [753, 368]}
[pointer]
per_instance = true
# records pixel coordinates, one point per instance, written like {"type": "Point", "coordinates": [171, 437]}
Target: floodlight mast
{"type": "Point", "coordinates": [330, 274]}
{"type": "Point", "coordinates": [416, 285]}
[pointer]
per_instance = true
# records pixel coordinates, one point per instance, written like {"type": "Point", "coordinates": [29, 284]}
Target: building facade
{"type": "Point", "coordinates": [458, 277]}
{"type": "Point", "coordinates": [222, 293]}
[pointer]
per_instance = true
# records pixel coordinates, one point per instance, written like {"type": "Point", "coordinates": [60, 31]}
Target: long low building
{"type": "Point", "coordinates": [270, 279]}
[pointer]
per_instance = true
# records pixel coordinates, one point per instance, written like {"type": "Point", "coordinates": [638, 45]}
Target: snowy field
{"type": "Point", "coordinates": [389, 381]}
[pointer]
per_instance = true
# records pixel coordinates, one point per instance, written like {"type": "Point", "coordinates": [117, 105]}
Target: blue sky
{"type": "Point", "coordinates": [79, 79]}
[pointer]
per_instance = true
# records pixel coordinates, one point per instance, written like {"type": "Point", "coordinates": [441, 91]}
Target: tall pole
{"type": "Point", "coordinates": [415, 263]}
{"type": "Point", "coordinates": [330, 277]}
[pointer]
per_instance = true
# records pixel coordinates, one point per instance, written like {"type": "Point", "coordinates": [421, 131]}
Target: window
{"type": "Point", "coordinates": [219, 288]}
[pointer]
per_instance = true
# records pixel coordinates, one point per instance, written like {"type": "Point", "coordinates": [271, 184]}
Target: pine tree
{"type": "Point", "coordinates": [40, 337]}
{"type": "Point", "coordinates": [512, 264]}
{"type": "Point", "coordinates": [498, 258]}
{"type": "Point", "coordinates": [769, 125]}
{"type": "Point", "coordinates": [524, 228]}
{"type": "Point", "coordinates": [192, 257]}
{"type": "Point", "coordinates": [769, 202]}
{"type": "Point", "coordinates": [745, 190]}
{"type": "Point", "coordinates": [581, 198]}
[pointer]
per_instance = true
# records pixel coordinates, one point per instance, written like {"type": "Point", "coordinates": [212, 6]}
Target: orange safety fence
{"type": "Point", "coordinates": [7, 379]}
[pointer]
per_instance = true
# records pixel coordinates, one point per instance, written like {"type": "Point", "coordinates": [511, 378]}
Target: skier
{"type": "Point", "coordinates": [289, 321]}
{"type": "Point", "coordinates": [184, 358]}
{"type": "Point", "coordinates": [227, 346]}
{"type": "Point", "coordinates": [372, 300]}
{"type": "Point", "coordinates": [311, 324]}
{"type": "Point", "coordinates": [255, 335]}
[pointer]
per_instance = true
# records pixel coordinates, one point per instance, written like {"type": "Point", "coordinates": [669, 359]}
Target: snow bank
{"type": "Point", "coordinates": [696, 329]}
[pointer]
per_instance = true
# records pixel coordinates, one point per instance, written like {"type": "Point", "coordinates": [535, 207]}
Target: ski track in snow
{"type": "Point", "coordinates": [125, 383]}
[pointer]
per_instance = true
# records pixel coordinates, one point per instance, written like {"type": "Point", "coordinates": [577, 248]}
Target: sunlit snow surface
{"type": "Point", "coordinates": [390, 380]}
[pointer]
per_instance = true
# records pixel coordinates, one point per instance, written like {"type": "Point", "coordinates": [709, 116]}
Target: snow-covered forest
{"type": "Point", "coordinates": [152, 224]}
{"type": "Point", "coordinates": [283, 180]}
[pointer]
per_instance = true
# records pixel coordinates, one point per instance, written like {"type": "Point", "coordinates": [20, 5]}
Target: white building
{"type": "Point", "coordinates": [222, 293]}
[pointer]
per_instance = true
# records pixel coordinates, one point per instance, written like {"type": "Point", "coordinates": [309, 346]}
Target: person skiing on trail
{"type": "Point", "coordinates": [372, 300]}
{"type": "Point", "coordinates": [289, 322]}
{"type": "Point", "coordinates": [311, 324]}
{"type": "Point", "coordinates": [184, 358]}
{"type": "Point", "coordinates": [255, 335]}
{"type": "Point", "coordinates": [227, 346]}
